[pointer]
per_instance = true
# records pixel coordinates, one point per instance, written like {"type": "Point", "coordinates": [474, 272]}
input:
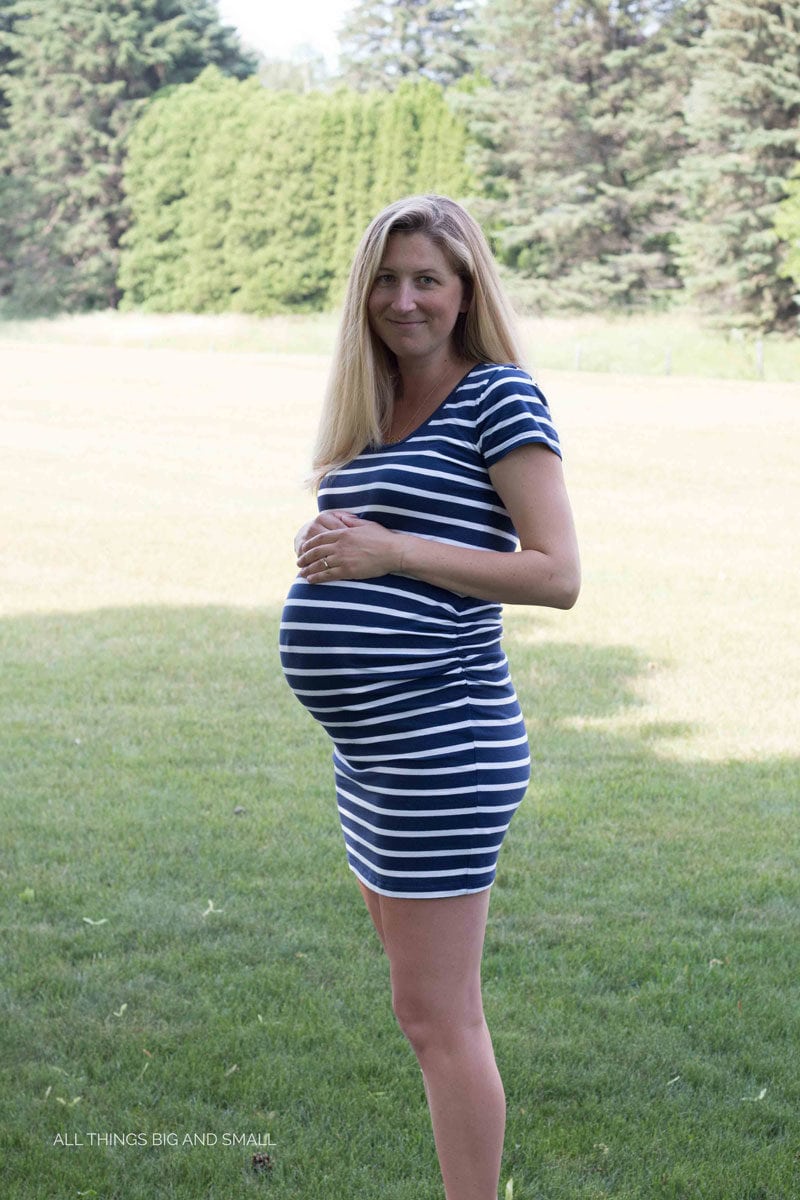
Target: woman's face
{"type": "Point", "coordinates": [415, 300]}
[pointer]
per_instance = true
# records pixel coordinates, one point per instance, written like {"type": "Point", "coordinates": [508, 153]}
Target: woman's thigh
{"type": "Point", "coordinates": [434, 949]}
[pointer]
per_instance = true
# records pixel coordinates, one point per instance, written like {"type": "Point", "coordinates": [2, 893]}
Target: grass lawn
{"type": "Point", "coordinates": [189, 972]}
{"type": "Point", "coordinates": [673, 343]}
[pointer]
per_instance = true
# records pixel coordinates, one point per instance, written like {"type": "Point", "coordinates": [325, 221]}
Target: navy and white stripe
{"type": "Point", "coordinates": [410, 680]}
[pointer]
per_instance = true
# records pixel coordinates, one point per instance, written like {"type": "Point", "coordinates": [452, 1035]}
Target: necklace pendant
{"type": "Point", "coordinates": [407, 428]}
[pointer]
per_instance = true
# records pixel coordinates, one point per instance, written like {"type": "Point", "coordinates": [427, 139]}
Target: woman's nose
{"type": "Point", "coordinates": [404, 299]}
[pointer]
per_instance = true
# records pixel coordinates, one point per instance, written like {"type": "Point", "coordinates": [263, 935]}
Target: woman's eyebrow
{"type": "Point", "coordinates": [416, 270]}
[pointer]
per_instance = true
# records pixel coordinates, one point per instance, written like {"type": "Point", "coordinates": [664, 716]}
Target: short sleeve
{"type": "Point", "coordinates": [513, 412]}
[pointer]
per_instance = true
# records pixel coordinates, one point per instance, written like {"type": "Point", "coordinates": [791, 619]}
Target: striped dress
{"type": "Point", "coordinates": [410, 681]}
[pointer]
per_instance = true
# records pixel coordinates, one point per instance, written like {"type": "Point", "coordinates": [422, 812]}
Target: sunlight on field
{"type": "Point", "coordinates": [148, 477]}
{"type": "Point", "coordinates": [143, 477]}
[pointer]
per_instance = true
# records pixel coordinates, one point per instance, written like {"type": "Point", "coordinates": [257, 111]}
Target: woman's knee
{"type": "Point", "coordinates": [438, 1021]}
{"type": "Point", "coordinates": [412, 1015]}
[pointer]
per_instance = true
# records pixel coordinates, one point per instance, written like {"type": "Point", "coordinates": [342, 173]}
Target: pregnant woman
{"type": "Point", "coordinates": [441, 496]}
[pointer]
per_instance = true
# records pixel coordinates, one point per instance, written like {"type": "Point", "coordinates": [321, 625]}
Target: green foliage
{"type": "Point", "coordinates": [7, 59]}
{"type": "Point", "coordinates": [81, 72]}
{"type": "Point", "coordinates": [249, 200]}
{"type": "Point", "coordinates": [743, 115]}
{"type": "Point", "coordinates": [579, 131]}
{"type": "Point", "coordinates": [617, 152]}
{"type": "Point", "coordinates": [7, 55]}
{"type": "Point", "coordinates": [787, 227]}
{"type": "Point", "coordinates": [385, 42]}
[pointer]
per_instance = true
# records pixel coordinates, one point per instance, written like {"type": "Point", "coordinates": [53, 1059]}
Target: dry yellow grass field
{"type": "Point", "coordinates": [135, 476]}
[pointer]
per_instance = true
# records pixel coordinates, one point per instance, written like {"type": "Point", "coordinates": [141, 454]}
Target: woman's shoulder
{"type": "Point", "coordinates": [488, 379]}
{"type": "Point", "coordinates": [510, 410]}
{"type": "Point", "coordinates": [493, 373]}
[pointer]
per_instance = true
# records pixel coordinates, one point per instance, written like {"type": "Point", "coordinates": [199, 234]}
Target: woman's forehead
{"type": "Point", "coordinates": [414, 249]}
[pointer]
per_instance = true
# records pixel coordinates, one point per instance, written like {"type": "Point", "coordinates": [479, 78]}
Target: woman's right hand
{"type": "Point", "coordinates": [331, 518]}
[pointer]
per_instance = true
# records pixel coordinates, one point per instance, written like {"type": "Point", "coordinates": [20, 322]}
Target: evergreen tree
{"type": "Point", "coordinates": [384, 42]}
{"type": "Point", "coordinates": [167, 148]}
{"type": "Point", "coordinates": [7, 54]}
{"type": "Point", "coordinates": [249, 200]}
{"type": "Point", "coordinates": [743, 116]}
{"type": "Point", "coordinates": [359, 147]}
{"type": "Point", "coordinates": [10, 191]}
{"type": "Point", "coordinates": [579, 132]}
{"type": "Point", "coordinates": [787, 227]}
{"type": "Point", "coordinates": [83, 70]}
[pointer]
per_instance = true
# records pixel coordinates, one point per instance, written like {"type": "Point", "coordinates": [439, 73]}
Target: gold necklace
{"type": "Point", "coordinates": [409, 421]}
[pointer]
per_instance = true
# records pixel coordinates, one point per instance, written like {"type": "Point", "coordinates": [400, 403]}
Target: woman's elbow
{"type": "Point", "coordinates": [569, 595]}
{"type": "Point", "coordinates": [554, 581]}
{"type": "Point", "coordinates": [566, 586]}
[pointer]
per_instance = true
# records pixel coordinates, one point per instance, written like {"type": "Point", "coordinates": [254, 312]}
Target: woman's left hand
{"type": "Point", "coordinates": [361, 550]}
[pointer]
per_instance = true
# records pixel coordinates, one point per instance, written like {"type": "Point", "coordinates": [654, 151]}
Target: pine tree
{"type": "Point", "coordinates": [743, 116]}
{"type": "Point", "coordinates": [579, 133]}
{"type": "Point", "coordinates": [7, 54]}
{"type": "Point", "coordinates": [9, 193]}
{"type": "Point", "coordinates": [83, 70]}
{"type": "Point", "coordinates": [787, 227]}
{"type": "Point", "coordinates": [384, 42]}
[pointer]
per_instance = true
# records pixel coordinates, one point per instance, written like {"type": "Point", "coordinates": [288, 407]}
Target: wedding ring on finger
{"type": "Point", "coordinates": [327, 564]}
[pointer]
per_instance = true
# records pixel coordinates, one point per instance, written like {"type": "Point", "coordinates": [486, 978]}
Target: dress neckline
{"type": "Point", "coordinates": [413, 432]}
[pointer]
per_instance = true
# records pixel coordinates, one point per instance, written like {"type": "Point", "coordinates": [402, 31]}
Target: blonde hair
{"type": "Point", "coordinates": [358, 400]}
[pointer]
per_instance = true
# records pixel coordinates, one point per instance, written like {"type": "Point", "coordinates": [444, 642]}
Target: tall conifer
{"type": "Point", "coordinates": [743, 116]}
{"type": "Point", "coordinates": [83, 70]}
{"type": "Point", "coordinates": [7, 55]}
{"type": "Point", "coordinates": [384, 42]}
{"type": "Point", "coordinates": [9, 193]}
{"type": "Point", "coordinates": [787, 227]}
{"type": "Point", "coordinates": [579, 133]}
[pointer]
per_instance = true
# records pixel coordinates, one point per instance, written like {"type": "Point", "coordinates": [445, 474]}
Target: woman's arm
{"type": "Point", "coordinates": [545, 570]}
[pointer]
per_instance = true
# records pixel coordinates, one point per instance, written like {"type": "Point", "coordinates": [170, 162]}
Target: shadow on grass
{"type": "Point", "coordinates": [187, 951]}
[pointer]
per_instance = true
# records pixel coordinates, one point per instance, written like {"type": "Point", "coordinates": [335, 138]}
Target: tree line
{"type": "Point", "coordinates": [619, 153]}
{"type": "Point", "coordinates": [252, 201]}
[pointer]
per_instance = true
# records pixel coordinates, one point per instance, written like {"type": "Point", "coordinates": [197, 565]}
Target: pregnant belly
{"type": "Point", "coordinates": [355, 633]}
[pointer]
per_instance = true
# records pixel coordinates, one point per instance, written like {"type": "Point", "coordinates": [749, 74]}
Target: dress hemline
{"type": "Point", "coordinates": [418, 895]}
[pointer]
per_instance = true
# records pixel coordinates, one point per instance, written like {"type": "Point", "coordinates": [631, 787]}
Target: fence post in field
{"type": "Point", "coordinates": [760, 357]}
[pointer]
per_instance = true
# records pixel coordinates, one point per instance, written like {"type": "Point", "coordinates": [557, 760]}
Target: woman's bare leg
{"type": "Point", "coordinates": [434, 949]}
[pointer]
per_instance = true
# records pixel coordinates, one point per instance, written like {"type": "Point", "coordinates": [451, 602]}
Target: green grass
{"type": "Point", "coordinates": [173, 966]}
{"type": "Point", "coordinates": [677, 343]}
{"type": "Point", "coordinates": [640, 976]}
